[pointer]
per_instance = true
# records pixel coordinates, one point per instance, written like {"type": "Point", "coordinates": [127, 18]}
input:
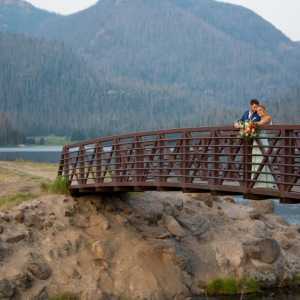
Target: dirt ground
{"type": "Point", "coordinates": [24, 177]}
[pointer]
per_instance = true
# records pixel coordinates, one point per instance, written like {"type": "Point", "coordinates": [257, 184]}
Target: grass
{"type": "Point", "coordinates": [52, 140]}
{"type": "Point", "coordinates": [44, 186]}
{"type": "Point", "coordinates": [57, 186]}
{"type": "Point", "coordinates": [15, 200]}
{"type": "Point", "coordinates": [63, 296]}
{"type": "Point", "coordinates": [287, 265]}
{"type": "Point", "coordinates": [227, 285]}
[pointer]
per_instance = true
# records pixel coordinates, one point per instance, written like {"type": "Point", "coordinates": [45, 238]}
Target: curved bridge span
{"type": "Point", "coordinates": [208, 159]}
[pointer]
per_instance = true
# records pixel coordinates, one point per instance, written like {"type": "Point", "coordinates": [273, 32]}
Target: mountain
{"type": "Point", "coordinates": [20, 16]}
{"type": "Point", "coordinates": [285, 108]}
{"type": "Point", "coordinates": [219, 49]}
{"type": "Point", "coordinates": [47, 89]}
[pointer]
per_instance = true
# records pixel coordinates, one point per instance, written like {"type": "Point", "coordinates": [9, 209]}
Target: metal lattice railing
{"type": "Point", "coordinates": [209, 159]}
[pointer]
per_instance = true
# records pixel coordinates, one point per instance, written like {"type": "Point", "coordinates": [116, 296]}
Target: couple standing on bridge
{"type": "Point", "coordinates": [258, 113]}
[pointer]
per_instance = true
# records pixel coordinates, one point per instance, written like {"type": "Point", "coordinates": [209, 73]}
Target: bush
{"type": "Point", "coordinates": [44, 186]}
{"type": "Point", "coordinates": [252, 285]}
{"type": "Point", "coordinates": [229, 285]}
{"type": "Point", "coordinates": [59, 186]}
{"type": "Point", "coordinates": [63, 296]}
{"type": "Point", "coordinates": [15, 200]}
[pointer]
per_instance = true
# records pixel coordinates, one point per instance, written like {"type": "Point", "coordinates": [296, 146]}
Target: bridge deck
{"type": "Point", "coordinates": [209, 159]}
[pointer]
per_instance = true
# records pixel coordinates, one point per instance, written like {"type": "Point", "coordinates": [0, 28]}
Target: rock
{"type": "Point", "coordinates": [82, 221]}
{"type": "Point", "coordinates": [196, 224]}
{"type": "Point", "coordinates": [288, 277]}
{"type": "Point", "coordinates": [181, 260]}
{"type": "Point", "coordinates": [200, 196]}
{"type": "Point", "coordinates": [269, 249]}
{"type": "Point", "coordinates": [155, 234]}
{"type": "Point", "coordinates": [102, 250]}
{"type": "Point", "coordinates": [265, 206]}
{"type": "Point", "coordinates": [222, 260]}
{"type": "Point", "coordinates": [36, 220]}
{"type": "Point", "coordinates": [265, 280]}
{"type": "Point", "coordinates": [229, 199]}
{"type": "Point", "coordinates": [60, 227]}
{"type": "Point", "coordinates": [230, 214]}
{"type": "Point", "coordinates": [42, 295]}
{"type": "Point", "coordinates": [105, 225]}
{"type": "Point", "coordinates": [189, 211]}
{"type": "Point", "coordinates": [20, 279]}
{"type": "Point", "coordinates": [68, 213]}
{"type": "Point", "coordinates": [178, 203]}
{"type": "Point", "coordinates": [233, 251]}
{"type": "Point", "coordinates": [121, 220]}
{"type": "Point", "coordinates": [1, 229]}
{"type": "Point", "coordinates": [19, 218]}
{"type": "Point", "coordinates": [72, 272]}
{"type": "Point", "coordinates": [93, 294]}
{"type": "Point", "coordinates": [208, 202]}
{"type": "Point", "coordinates": [252, 252]}
{"type": "Point", "coordinates": [258, 229]}
{"type": "Point", "coordinates": [7, 289]}
{"type": "Point", "coordinates": [15, 237]}
{"type": "Point", "coordinates": [254, 214]}
{"type": "Point", "coordinates": [174, 227]}
{"type": "Point", "coordinates": [117, 204]}
{"type": "Point", "coordinates": [282, 221]}
{"type": "Point", "coordinates": [39, 270]}
{"type": "Point", "coordinates": [6, 218]}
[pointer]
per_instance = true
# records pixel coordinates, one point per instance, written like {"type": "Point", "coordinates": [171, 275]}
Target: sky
{"type": "Point", "coordinates": [283, 14]}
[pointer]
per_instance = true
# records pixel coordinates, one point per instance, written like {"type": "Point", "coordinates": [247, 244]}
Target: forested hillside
{"type": "Point", "coordinates": [48, 89]}
{"type": "Point", "coordinates": [222, 50]}
{"type": "Point", "coordinates": [10, 131]}
{"type": "Point", "coordinates": [20, 16]}
{"type": "Point", "coordinates": [285, 108]}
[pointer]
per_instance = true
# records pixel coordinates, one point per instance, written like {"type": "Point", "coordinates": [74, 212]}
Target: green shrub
{"type": "Point", "coordinates": [44, 186]}
{"type": "Point", "coordinates": [15, 200]}
{"type": "Point", "coordinates": [229, 285]}
{"type": "Point", "coordinates": [251, 285]}
{"type": "Point", "coordinates": [63, 296]}
{"type": "Point", "coordinates": [59, 186]}
{"type": "Point", "coordinates": [126, 196]}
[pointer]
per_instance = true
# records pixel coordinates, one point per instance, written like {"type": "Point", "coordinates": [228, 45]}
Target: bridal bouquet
{"type": "Point", "coordinates": [248, 130]}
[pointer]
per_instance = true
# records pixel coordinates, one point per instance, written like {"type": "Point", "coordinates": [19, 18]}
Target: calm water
{"type": "Point", "coordinates": [290, 212]}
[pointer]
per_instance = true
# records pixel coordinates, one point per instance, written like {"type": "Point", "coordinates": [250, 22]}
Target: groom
{"type": "Point", "coordinates": [249, 114]}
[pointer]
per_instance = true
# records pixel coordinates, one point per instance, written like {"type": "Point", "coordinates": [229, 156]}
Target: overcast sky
{"type": "Point", "coordinates": [283, 14]}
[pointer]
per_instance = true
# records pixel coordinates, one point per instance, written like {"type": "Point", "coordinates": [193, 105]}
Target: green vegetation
{"type": "Point", "coordinates": [15, 200]}
{"type": "Point", "coordinates": [287, 265]}
{"type": "Point", "coordinates": [227, 285]}
{"type": "Point", "coordinates": [58, 186]}
{"type": "Point", "coordinates": [44, 186]}
{"type": "Point", "coordinates": [52, 140]}
{"type": "Point", "coordinates": [63, 296]}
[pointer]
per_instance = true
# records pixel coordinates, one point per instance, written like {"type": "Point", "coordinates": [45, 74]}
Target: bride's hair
{"type": "Point", "coordinates": [264, 109]}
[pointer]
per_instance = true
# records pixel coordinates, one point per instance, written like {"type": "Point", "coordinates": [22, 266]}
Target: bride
{"type": "Point", "coordinates": [256, 160]}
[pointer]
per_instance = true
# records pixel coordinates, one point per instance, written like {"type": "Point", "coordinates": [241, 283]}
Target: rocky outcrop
{"type": "Point", "coordinates": [154, 245]}
{"type": "Point", "coordinates": [264, 206]}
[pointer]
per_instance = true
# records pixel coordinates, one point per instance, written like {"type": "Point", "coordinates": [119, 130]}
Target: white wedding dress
{"type": "Point", "coordinates": [256, 160]}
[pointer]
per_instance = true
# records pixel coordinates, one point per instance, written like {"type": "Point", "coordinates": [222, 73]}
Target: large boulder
{"type": "Point", "coordinates": [258, 229]}
{"type": "Point", "coordinates": [233, 251]}
{"type": "Point", "coordinates": [7, 288]}
{"type": "Point", "coordinates": [196, 224]}
{"type": "Point", "coordinates": [265, 206]}
{"type": "Point", "coordinates": [269, 249]}
{"type": "Point", "coordinates": [174, 227]}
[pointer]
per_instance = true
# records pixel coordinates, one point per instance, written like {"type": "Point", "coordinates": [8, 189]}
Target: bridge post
{"type": "Point", "coordinates": [185, 157]}
{"type": "Point", "coordinates": [247, 166]}
{"type": "Point", "coordinates": [288, 163]}
{"type": "Point", "coordinates": [160, 157]}
{"type": "Point", "coordinates": [215, 158]}
{"type": "Point", "coordinates": [139, 159]}
{"type": "Point", "coordinates": [81, 164]}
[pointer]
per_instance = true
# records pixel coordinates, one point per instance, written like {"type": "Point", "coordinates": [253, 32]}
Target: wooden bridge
{"type": "Point", "coordinates": [208, 159]}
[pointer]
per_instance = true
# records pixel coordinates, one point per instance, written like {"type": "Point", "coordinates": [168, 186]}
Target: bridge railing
{"type": "Point", "coordinates": [209, 159]}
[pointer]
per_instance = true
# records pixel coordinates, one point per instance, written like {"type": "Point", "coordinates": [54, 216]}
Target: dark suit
{"type": "Point", "coordinates": [254, 117]}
